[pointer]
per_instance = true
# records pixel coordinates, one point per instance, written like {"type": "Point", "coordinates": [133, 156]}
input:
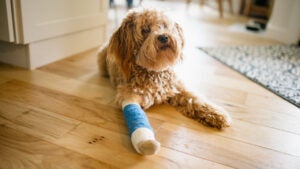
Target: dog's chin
{"type": "Point", "coordinates": [156, 67]}
{"type": "Point", "coordinates": [165, 47]}
{"type": "Point", "coordinates": [164, 59]}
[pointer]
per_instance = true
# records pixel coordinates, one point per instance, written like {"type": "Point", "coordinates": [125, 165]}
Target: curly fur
{"type": "Point", "coordinates": [140, 66]}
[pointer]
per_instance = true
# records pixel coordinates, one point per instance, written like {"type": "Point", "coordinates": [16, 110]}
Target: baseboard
{"type": "Point", "coordinates": [281, 34]}
{"type": "Point", "coordinates": [14, 54]}
{"type": "Point", "coordinates": [37, 54]}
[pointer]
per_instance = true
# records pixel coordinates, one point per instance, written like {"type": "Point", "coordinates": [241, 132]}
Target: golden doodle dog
{"type": "Point", "coordinates": [139, 60]}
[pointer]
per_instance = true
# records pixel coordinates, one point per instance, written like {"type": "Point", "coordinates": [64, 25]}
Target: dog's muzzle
{"type": "Point", "coordinates": [163, 39]}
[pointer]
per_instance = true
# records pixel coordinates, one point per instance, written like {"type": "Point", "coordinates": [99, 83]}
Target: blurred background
{"type": "Point", "coordinates": [202, 19]}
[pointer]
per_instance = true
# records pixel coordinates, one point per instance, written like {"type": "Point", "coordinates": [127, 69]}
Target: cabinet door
{"type": "Point", "coordinates": [42, 19]}
{"type": "Point", "coordinates": [6, 23]}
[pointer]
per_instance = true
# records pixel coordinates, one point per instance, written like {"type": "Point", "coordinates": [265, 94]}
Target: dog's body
{"type": "Point", "coordinates": [139, 60]}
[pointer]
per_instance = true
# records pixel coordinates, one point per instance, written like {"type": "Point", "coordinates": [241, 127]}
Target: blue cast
{"type": "Point", "coordinates": [135, 118]}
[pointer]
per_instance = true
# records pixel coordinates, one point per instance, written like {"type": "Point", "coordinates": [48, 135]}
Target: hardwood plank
{"type": "Point", "coordinates": [95, 78]}
{"type": "Point", "coordinates": [266, 102]}
{"type": "Point", "coordinates": [39, 121]}
{"type": "Point", "coordinates": [75, 66]}
{"type": "Point", "coordinates": [209, 66]}
{"type": "Point", "coordinates": [21, 84]}
{"type": "Point", "coordinates": [265, 117]}
{"type": "Point", "coordinates": [102, 94]}
{"type": "Point", "coordinates": [84, 69]}
{"type": "Point", "coordinates": [70, 106]}
{"type": "Point", "coordinates": [245, 132]}
{"type": "Point", "coordinates": [109, 147]}
{"type": "Point", "coordinates": [66, 69]}
{"type": "Point", "coordinates": [214, 74]}
{"type": "Point", "coordinates": [84, 140]}
{"type": "Point", "coordinates": [87, 111]}
{"type": "Point", "coordinates": [220, 93]}
{"type": "Point", "coordinates": [117, 146]}
{"type": "Point", "coordinates": [19, 150]}
{"type": "Point", "coordinates": [8, 111]}
{"type": "Point", "coordinates": [188, 161]}
{"type": "Point", "coordinates": [4, 79]}
{"type": "Point", "coordinates": [232, 153]}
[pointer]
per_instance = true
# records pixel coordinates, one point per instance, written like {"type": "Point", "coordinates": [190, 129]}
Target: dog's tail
{"type": "Point", "coordinates": [102, 63]}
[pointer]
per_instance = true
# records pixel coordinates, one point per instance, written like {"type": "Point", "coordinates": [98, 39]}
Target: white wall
{"type": "Point", "coordinates": [284, 24]}
{"type": "Point", "coordinates": [47, 31]}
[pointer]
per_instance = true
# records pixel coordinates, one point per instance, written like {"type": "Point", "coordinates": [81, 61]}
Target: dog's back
{"type": "Point", "coordinates": [108, 66]}
{"type": "Point", "coordinates": [102, 55]}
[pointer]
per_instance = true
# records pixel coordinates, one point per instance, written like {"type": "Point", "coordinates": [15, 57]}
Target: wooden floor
{"type": "Point", "coordinates": [63, 116]}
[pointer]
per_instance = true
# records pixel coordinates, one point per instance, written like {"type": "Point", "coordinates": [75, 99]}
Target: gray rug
{"type": "Point", "coordinates": [277, 68]}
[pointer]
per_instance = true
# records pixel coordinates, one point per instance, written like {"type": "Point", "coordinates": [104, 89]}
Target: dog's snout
{"type": "Point", "coordinates": [162, 38]}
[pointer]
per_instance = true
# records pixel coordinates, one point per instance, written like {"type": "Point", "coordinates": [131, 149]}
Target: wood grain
{"type": "Point", "coordinates": [3, 79]}
{"type": "Point", "coordinates": [95, 142]}
{"type": "Point", "coordinates": [236, 154]}
{"type": "Point", "coordinates": [20, 150]}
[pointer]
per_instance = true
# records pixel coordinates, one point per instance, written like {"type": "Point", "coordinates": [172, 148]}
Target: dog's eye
{"type": "Point", "coordinates": [145, 31]}
{"type": "Point", "coordinates": [165, 25]}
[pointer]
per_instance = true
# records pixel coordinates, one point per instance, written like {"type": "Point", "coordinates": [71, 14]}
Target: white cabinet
{"type": "Point", "coordinates": [6, 21]}
{"type": "Point", "coordinates": [48, 30]}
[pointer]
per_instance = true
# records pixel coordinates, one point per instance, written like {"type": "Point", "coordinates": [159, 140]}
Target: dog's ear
{"type": "Point", "coordinates": [180, 32]}
{"type": "Point", "coordinates": [122, 43]}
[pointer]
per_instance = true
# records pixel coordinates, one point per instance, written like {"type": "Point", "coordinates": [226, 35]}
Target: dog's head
{"type": "Point", "coordinates": [149, 39]}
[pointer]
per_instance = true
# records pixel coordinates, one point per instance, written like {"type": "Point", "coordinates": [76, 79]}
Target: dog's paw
{"type": "Point", "coordinates": [148, 147]}
{"type": "Point", "coordinates": [144, 142]}
{"type": "Point", "coordinates": [215, 117]}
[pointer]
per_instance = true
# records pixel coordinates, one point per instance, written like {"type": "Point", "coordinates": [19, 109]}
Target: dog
{"type": "Point", "coordinates": [139, 60]}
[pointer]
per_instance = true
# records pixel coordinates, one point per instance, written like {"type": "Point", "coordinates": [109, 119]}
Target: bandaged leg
{"type": "Point", "coordinates": [140, 130]}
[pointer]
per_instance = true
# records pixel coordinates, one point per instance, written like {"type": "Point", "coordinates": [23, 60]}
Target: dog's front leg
{"type": "Point", "coordinates": [140, 130]}
{"type": "Point", "coordinates": [200, 109]}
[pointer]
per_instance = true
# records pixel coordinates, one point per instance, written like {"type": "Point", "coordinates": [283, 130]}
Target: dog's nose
{"type": "Point", "coordinates": [162, 38]}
